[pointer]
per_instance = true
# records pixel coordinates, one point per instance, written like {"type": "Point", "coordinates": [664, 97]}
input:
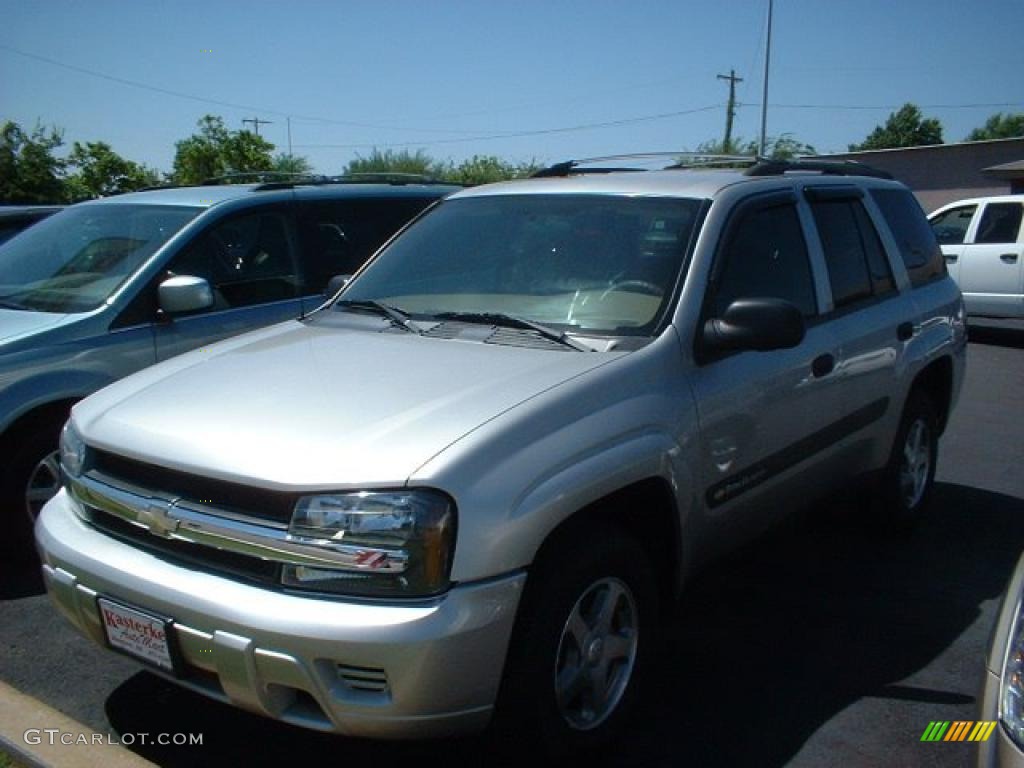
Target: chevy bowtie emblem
{"type": "Point", "coordinates": [157, 518]}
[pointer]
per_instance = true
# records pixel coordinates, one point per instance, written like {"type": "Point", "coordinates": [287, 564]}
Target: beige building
{"type": "Point", "coordinates": [943, 173]}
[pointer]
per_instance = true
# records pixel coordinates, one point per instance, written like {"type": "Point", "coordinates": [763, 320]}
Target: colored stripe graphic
{"type": "Point", "coordinates": [982, 731]}
{"type": "Point", "coordinates": [958, 730]}
{"type": "Point", "coordinates": [935, 731]}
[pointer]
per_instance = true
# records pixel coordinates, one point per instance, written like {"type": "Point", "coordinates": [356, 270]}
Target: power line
{"type": "Point", "coordinates": [517, 134]}
{"type": "Point", "coordinates": [219, 102]}
{"type": "Point", "coordinates": [629, 120]}
{"type": "Point", "coordinates": [990, 105]}
{"type": "Point", "coordinates": [467, 135]}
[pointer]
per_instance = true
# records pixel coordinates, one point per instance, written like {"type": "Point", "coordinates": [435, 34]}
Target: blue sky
{"type": "Point", "coordinates": [455, 78]}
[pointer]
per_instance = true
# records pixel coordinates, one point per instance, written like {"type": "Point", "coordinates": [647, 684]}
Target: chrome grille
{"type": "Point", "coordinates": [241, 499]}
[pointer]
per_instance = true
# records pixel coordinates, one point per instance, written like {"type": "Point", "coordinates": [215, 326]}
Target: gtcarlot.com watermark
{"type": "Point", "coordinates": [53, 736]}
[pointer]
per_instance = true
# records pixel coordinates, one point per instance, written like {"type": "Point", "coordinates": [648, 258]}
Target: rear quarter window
{"type": "Point", "coordinates": [913, 234]}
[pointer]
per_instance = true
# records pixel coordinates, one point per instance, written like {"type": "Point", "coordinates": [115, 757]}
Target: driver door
{"type": "Point", "coordinates": [766, 418]}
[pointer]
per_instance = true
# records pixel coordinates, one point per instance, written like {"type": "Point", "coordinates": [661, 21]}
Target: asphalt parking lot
{"type": "Point", "coordinates": [825, 642]}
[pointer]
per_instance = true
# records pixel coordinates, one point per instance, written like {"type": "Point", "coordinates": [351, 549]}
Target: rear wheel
{"type": "Point", "coordinates": [583, 641]}
{"type": "Point", "coordinates": [908, 479]}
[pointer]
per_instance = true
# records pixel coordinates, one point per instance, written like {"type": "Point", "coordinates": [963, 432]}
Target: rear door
{"type": "Point", "coordinates": [870, 321]}
{"type": "Point", "coordinates": [992, 265]}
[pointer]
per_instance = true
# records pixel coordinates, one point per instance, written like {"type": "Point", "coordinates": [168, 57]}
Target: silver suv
{"type": "Point", "coordinates": [469, 487]}
{"type": "Point", "coordinates": [102, 289]}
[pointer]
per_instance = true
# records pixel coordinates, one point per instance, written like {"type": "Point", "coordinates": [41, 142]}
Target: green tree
{"type": "Point", "coordinates": [906, 127]}
{"type": "Point", "coordinates": [216, 151]}
{"type": "Point", "coordinates": [29, 171]}
{"type": "Point", "coordinates": [782, 147]}
{"type": "Point", "coordinates": [285, 163]}
{"type": "Point", "coordinates": [999, 126]}
{"type": "Point", "coordinates": [391, 161]}
{"type": "Point", "coordinates": [99, 171]}
{"type": "Point", "coordinates": [484, 169]}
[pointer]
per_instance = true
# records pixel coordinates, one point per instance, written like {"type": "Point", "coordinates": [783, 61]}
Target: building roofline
{"type": "Point", "coordinates": [946, 145]}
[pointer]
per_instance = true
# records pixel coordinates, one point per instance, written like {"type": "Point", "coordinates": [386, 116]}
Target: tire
{"type": "Point", "coordinates": [32, 459]}
{"type": "Point", "coordinates": [583, 642]}
{"type": "Point", "coordinates": [906, 485]}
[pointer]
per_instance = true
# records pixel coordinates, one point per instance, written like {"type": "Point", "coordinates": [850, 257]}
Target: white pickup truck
{"type": "Point", "coordinates": [983, 243]}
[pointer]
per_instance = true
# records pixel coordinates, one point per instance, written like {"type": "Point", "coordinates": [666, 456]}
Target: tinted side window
{"type": "Point", "coordinates": [247, 259]}
{"type": "Point", "coordinates": [857, 267]}
{"type": "Point", "coordinates": [950, 227]}
{"type": "Point", "coordinates": [882, 281]}
{"type": "Point", "coordinates": [918, 248]}
{"type": "Point", "coordinates": [766, 256]}
{"type": "Point", "coordinates": [337, 236]}
{"type": "Point", "coordinates": [844, 252]}
{"type": "Point", "coordinates": [1000, 223]}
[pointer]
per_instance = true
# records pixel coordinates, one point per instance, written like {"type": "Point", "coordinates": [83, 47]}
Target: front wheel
{"type": "Point", "coordinates": [30, 478]}
{"type": "Point", "coordinates": [583, 641]}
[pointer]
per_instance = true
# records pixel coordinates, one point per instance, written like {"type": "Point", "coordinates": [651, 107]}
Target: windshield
{"type": "Point", "coordinates": [74, 260]}
{"type": "Point", "coordinates": [592, 264]}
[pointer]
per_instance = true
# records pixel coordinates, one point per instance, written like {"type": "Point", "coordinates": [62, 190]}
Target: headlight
{"type": "Point", "coordinates": [72, 451]}
{"type": "Point", "coordinates": [385, 543]}
{"type": "Point", "coordinates": [1011, 689]}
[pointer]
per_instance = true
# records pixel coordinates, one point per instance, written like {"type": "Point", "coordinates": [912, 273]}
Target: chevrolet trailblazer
{"type": "Point", "coordinates": [466, 489]}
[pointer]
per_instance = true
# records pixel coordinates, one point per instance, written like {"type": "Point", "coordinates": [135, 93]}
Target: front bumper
{"type": "Point", "coordinates": [373, 669]}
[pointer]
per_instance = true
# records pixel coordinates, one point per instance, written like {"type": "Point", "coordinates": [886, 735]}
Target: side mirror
{"type": "Point", "coordinates": [757, 323]}
{"type": "Point", "coordinates": [336, 283]}
{"type": "Point", "coordinates": [184, 293]}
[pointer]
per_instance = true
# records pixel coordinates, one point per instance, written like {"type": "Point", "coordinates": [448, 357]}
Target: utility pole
{"type": "Point", "coordinates": [730, 110]}
{"type": "Point", "coordinates": [256, 123]}
{"type": "Point", "coordinates": [289, 137]}
{"type": "Point", "coordinates": [764, 94]}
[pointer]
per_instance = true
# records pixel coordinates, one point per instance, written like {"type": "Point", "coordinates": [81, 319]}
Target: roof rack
{"type": "Point", "coordinates": [262, 177]}
{"type": "Point", "coordinates": [159, 186]}
{"type": "Point", "coordinates": [386, 177]}
{"type": "Point", "coordinates": [572, 167]}
{"type": "Point", "coordinates": [765, 167]}
{"type": "Point", "coordinates": [681, 159]}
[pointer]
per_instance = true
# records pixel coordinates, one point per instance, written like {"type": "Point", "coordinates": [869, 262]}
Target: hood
{"type": "Point", "coordinates": [19, 323]}
{"type": "Point", "coordinates": [297, 406]}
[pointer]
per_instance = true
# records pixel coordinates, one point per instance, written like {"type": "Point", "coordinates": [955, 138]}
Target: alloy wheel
{"type": "Point", "coordinates": [43, 484]}
{"type": "Point", "coordinates": [596, 654]}
{"type": "Point", "coordinates": [916, 463]}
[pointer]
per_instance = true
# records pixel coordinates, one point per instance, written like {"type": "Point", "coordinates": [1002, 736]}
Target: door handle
{"type": "Point", "coordinates": [823, 365]}
{"type": "Point", "coordinates": [1009, 258]}
{"type": "Point", "coordinates": [951, 258]}
{"type": "Point", "coordinates": [905, 331]}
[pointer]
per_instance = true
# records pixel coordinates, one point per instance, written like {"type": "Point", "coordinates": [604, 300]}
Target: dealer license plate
{"type": "Point", "coordinates": [142, 635]}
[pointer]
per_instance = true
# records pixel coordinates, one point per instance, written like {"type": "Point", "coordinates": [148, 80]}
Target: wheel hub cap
{"type": "Point", "coordinates": [916, 464]}
{"type": "Point", "coordinates": [596, 654]}
{"type": "Point", "coordinates": [43, 484]}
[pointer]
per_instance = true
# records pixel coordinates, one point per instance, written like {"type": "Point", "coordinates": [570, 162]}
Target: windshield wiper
{"type": "Point", "coordinates": [394, 314]}
{"type": "Point", "coordinates": [512, 321]}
